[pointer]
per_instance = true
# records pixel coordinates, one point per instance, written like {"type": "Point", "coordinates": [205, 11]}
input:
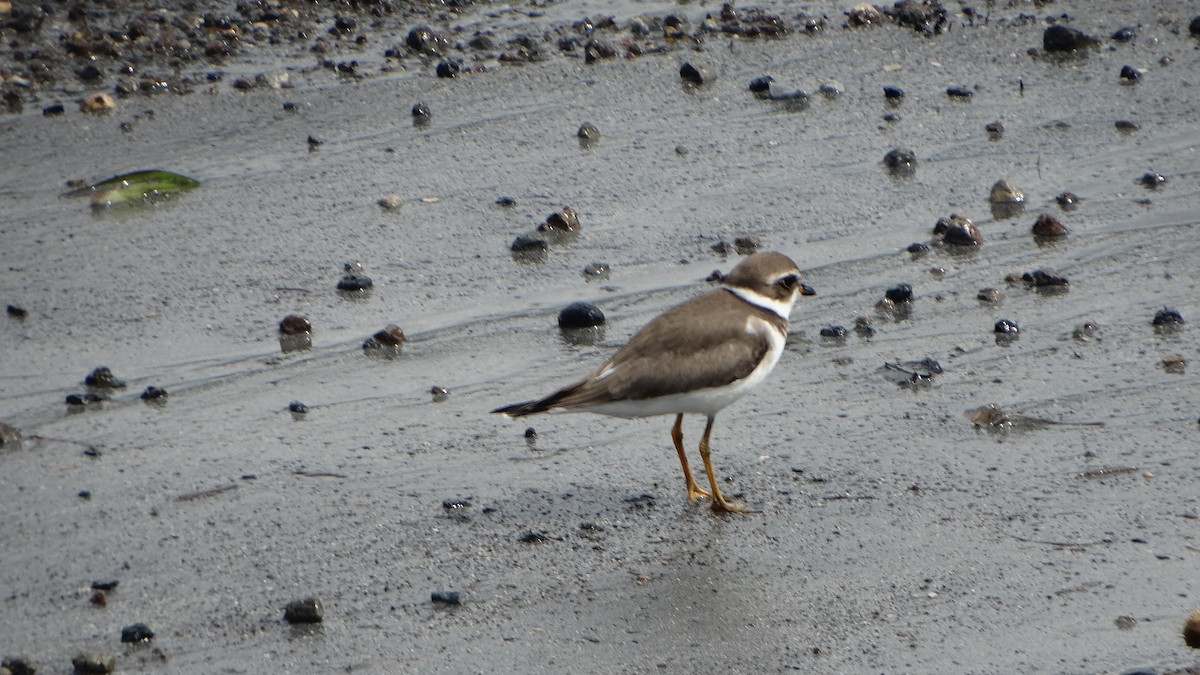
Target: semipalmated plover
{"type": "Point", "coordinates": [697, 357]}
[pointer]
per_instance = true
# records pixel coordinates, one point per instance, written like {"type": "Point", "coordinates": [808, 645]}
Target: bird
{"type": "Point", "coordinates": [697, 357]}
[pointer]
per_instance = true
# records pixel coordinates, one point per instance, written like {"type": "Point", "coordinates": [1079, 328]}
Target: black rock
{"type": "Point", "coordinates": [505, 200]}
{"type": "Point", "coordinates": [588, 132]}
{"type": "Point", "coordinates": [900, 158]}
{"type": "Point", "coordinates": [16, 312]}
{"type": "Point", "coordinates": [1130, 74]}
{"type": "Point", "coordinates": [448, 69]}
{"type": "Point", "coordinates": [1060, 38]}
{"type": "Point", "coordinates": [1152, 180]}
{"type": "Point", "coordinates": [596, 270]}
{"type": "Point", "coordinates": [530, 432]}
{"type": "Point", "coordinates": [456, 503]}
{"type": "Point", "coordinates": [343, 25]}
{"type": "Point", "coordinates": [138, 632]}
{"type": "Point", "coordinates": [900, 293]}
{"type": "Point", "coordinates": [1006, 327]}
{"type": "Point", "coordinates": [314, 142]}
{"type": "Point", "coordinates": [105, 585]}
{"type": "Point", "coordinates": [297, 407]}
{"type": "Point", "coordinates": [18, 665]}
{"type": "Point", "coordinates": [308, 610]}
{"type": "Point", "coordinates": [835, 332]}
{"type": "Point", "coordinates": [995, 130]}
{"type": "Point", "coordinates": [746, 244]}
{"type": "Point", "coordinates": [84, 399]}
{"type": "Point", "coordinates": [1127, 126]}
{"type": "Point", "coordinates": [420, 110]}
{"type": "Point", "coordinates": [103, 378]}
{"type": "Point", "coordinates": [446, 597]}
{"type": "Point", "coordinates": [90, 73]}
{"type": "Point", "coordinates": [959, 92]}
{"type": "Point", "coordinates": [53, 109]}
{"type": "Point", "coordinates": [1124, 34]}
{"type": "Point", "coordinates": [1044, 277]}
{"type": "Point", "coordinates": [387, 340]}
{"type": "Point", "coordinates": [863, 330]}
{"type": "Point", "coordinates": [1194, 26]}
{"type": "Point", "coordinates": [85, 494]}
{"type": "Point", "coordinates": [1067, 200]}
{"type": "Point", "coordinates": [424, 40]}
{"type": "Point", "coordinates": [525, 243]}
{"type": "Point", "coordinates": [580, 315]}
{"type": "Point", "coordinates": [893, 94]}
{"type": "Point", "coordinates": [532, 537]}
{"type": "Point", "coordinates": [761, 84]}
{"type": "Point", "coordinates": [153, 393]}
{"type": "Point", "coordinates": [355, 282]}
{"type": "Point", "coordinates": [692, 74]}
{"type": "Point", "coordinates": [94, 663]}
{"type": "Point", "coordinates": [917, 248]}
{"type": "Point", "coordinates": [1167, 317]}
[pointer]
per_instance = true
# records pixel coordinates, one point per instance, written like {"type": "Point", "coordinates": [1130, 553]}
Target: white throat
{"type": "Point", "coordinates": [782, 309]}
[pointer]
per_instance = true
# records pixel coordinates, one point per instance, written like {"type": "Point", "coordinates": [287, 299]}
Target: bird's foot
{"type": "Point", "coordinates": [696, 492]}
{"type": "Point", "coordinates": [719, 505]}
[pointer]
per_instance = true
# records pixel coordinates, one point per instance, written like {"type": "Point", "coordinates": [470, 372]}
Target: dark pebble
{"type": "Point", "coordinates": [53, 110]}
{"type": "Point", "coordinates": [891, 117]}
{"type": "Point", "coordinates": [958, 230]}
{"type": "Point", "coordinates": [84, 399]}
{"type": "Point", "coordinates": [1194, 26]}
{"type": "Point", "coordinates": [530, 432]}
{"type": "Point", "coordinates": [314, 142]}
{"type": "Point", "coordinates": [94, 663]}
{"type": "Point", "coordinates": [138, 632]}
{"type": "Point", "coordinates": [16, 312]}
{"type": "Point", "coordinates": [307, 610]}
{"type": "Point", "coordinates": [1152, 180]}
{"type": "Point", "coordinates": [746, 244]}
{"type": "Point", "coordinates": [297, 407]}
{"type": "Point", "coordinates": [893, 94]}
{"type": "Point", "coordinates": [900, 158]}
{"type": "Point", "coordinates": [154, 394]}
{"type": "Point", "coordinates": [291, 106]}
{"type": "Point", "coordinates": [84, 494]}
{"type": "Point", "coordinates": [99, 599]}
{"type": "Point", "coordinates": [1067, 200]}
{"type": "Point", "coordinates": [295, 324]}
{"type": "Point", "coordinates": [693, 74]}
{"type": "Point", "coordinates": [105, 585]}
{"type": "Point", "coordinates": [448, 69]}
{"type": "Point", "coordinates": [9, 435]}
{"type": "Point", "coordinates": [354, 282]}
{"type": "Point", "coordinates": [917, 248]}
{"type": "Point", "coordinates": [90, 73]}
{"type": "Point", "coordinates": [995, 130]}
{"type": "Point", "coordinates": [1044, 277]}
{"type": "Point", "coordinates": [456, 503]}
{"type": "Point", "coordinates": [565, 220]}
{"type": "Point", "coordinates": [439, 394]}
{"type": "Point", "coordinates": [506, 201]}
{"type": "Point", "coordinates": [588, 132]}
{"type": "Point", "coordinates": [103, 378]}
{"type": "Point", "coordinates": [836, 332]}
{"type": "Point", "coordinates": [1191, 628]}
{"type": "Point", "coordinates": [1060, 38]}
{"type": "Point", "coordinates": [1126, 125]}
{"type": "Point", "coordinates": [1006, 327]}
{"type": "Point", "coordinates": [1167, 317]}
{"type": "Point", "coordinates": [580, 315]}
{"type": "Point", "coordinates": [761, 84]}
{"type": "Point", "coordinates": [446, 597]}
{"type": "Point", "coordinates": [18, 665]}
{"type": "Point", "coordinates": [792, 100]}
{"type": "Point", "coordinates": [596, 270]}
{"type": "Point", "coordinates": [1130, 74]}
{"type": "Point", "coordinates": [900, 293]}
{"type": "Point", "coordinates": [420, 110]}
{"type": "Point", "coordinates": [524, 243]}
{"type": "Point", "coordinates": [532, 537]}
{"type": "Point", "coordinates": [959, 92]}
{"type": "Point", "coordinates": [1124, 34]}
{"type": "Point", "coordinates": [862, 327]}
{"type": "Point", "coordinates": [390, 337]}
{"type": "Point", "coordinates": [1048, 226]}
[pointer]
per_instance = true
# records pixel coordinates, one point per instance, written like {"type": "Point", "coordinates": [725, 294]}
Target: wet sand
{"type": "Point", "coordinates": [893, 535]}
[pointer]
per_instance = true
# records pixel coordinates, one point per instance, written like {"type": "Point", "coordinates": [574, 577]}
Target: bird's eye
{"type": "Point", "coordinates": [788, 282]}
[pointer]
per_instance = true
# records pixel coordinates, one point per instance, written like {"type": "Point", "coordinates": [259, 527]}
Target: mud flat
{"type": "Point", "coordinates": [901, 527]}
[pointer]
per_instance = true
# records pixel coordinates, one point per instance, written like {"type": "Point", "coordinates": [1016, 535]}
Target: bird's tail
{"type": "Point", "coordinates": [534, 407]}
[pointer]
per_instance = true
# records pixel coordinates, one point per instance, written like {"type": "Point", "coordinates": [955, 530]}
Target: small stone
{"type": "Point", "coordinates": [1125, 622]}
{"type": "Point", "coordinates": [421, 111]}
{"type": "Point", "coordinates": [10, 436]}
{"type": "Point", "coordinates": [596, 270]}
{"type": "Point", "coordinates": [692, 74]}
{"type": "Point", "coordinates": [1044, 277]}
{"type": "Point", "coordinates": [1191, 627]}
{"type": "Point", "coordinates": [94, 663]}
{"type": "Point", "coordinates": [308, 610]}
{"type": "Point", "coordinates": [1006, 327]}
{"type": "Point", "coordinates": [445, 597]}
{"type": "Point", "coordinates": [900, 158]}
{"type": "Point", "coordinates": [532, 537]}
{"type": "Point", "coordinates": [19, 665]}
{"type": "Point", "coordinates": [580, 315]}
{"type": "Point", "coordinates": [1152, 180]}
{"type": "Point", "coordinates": [506, 201]}
{"type": "Point", "coordinates": [893, 94]}
{"type": "Point", "coordinates": [439, 394]}
{"type": "Point", "coordinates": [314, 142]}
{"type": "Point", "coordinates": [831, 90]}
{"type": "Point", "coordinates": [1067, 201]}
{"type": "Point", "coordinates": [761, 84]}
{"type": "Point", "coordinates": [918, 248]}
{"type": "Point", "coordinates": [989, 295]}
{"type": "Point", "coordinates": [1048, 227]}
{"type": "Point", "coordinates": [1194, 26]}
{"type": "Point", "coordinates": [353, 283]}
{"type": "Point", "coordinates": [138, 632]}
{"type": "Point", "coordinates": [16, 312]}
{"type": "Point", "coordinates": [153, 393]}
{"type": "Point", "coordinates": [958, 229]}
{"type": "Point", "coordinates": [1167, 317]}
{"type": "Point", "coordinates": [297, 408]}
{"type": "Point", "coordinates": [526, 243]}
{"type": "Point", "coordinates": [1130, 74]}
{"type": "Point", "coordinates": [891, 117]}
{"type": "Point", "coordinates": [1124, 34]}
{"type": "Point", "coordinates": [959, 92]}
{"type": "Point", "coordinates": [1174, 364]}
{"type": "Point", "coordinates": [97, 103]}
{"type": "Point", "coordinates": [1085, 331]}
{"type": "Point", "coordinates": [53, 110]}
{"type": "Point", "coordinates": [746, 244]}
{"type": "Point", "coordinates": [99, 598]}
{"type": "Point", "coordinates": [103, 378]}
{"type": "Point", "coordinates": [84, 399]}
{"type": "Point", "coordinates": [106, 585]}
{"type": "Point", "coordinates": [295, 324]}
{"type": "Point", "coordinates": [1059, 38]}
{"type": "Point", "coordinates": [389, 338]}
{"type": "Point", "coordinates": [900, 293]}
{"type": "Point", "coordinates": [588, 132]}
{"type": "Point", "coordinates": [835, 332]}
{"type": "Point", "coordinates": [995, 130]}
{"type": "Point", "coordinates": [1004, 192]}
{"type": "Point", "coordinates": [530, 433]}
{"type": "Point", "coordinates": [1127, 126]}
{"type": "Point", "coordinates": [448, 69]}
{"type": "Point", "coordinates": [390, 202]}
{"type": "Point", "coordinates": [863, 328]}
{"type": "Point", "coordinates": [565, 220]}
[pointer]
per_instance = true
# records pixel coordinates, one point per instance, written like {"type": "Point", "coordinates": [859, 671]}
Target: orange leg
{"type": "Point", "coordinates": [694, 490]}
{"type": "Point", "coordinates": [719, 504]}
